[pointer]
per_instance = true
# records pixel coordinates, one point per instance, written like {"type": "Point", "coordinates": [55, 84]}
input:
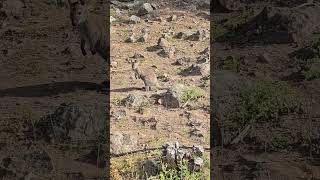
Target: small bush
{"type": "Point", "coordinates": [217, 31]}
{"type": "Point", "coordinates": [312, 74]}
{"type": "Point", "coordinates": [192, 94]}
{"type": "Point", "coordinates": [173, 174]}
{"type": "Point", "coordinates": [266, 101]}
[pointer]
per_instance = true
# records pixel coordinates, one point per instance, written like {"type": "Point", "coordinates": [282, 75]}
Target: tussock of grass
{"type": "Point", "coordinates": [313, 72]}
{"type": "Point", "coordinates": [266, 101]}
{"type": "Point", "coordinates": [192, 94]}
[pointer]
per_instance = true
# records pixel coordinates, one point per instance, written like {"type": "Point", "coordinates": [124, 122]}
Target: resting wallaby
{"type": "Point", "coordinates": [92, 29]}
{"type": "Point", "coordinates": [147, 75]}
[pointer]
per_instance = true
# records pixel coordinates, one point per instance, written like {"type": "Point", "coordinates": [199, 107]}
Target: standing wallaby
{"type": "Point", "coordinates": [92, 29]}
{"type": "Point", "coordinates": [147, 75]}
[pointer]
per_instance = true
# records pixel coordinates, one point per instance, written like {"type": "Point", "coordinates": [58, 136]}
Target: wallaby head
{"type": "Point", "coordinates": [78, 12]}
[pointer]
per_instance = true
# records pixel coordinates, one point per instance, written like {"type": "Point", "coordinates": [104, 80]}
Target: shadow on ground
{"type": "Point", "coordinates": [51, 89]}
{"type": "Point", "coordinates": [126, 89]}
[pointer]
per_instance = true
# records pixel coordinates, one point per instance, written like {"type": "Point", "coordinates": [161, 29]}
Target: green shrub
{"type": "Point", "coordinates": [174, 174]}
{"type": "Point", "coordinates": [312, 74]}
{"type": "Point", "coordinates": [192, 94]}
{"type": "Point", "coordinates": [266, 101]}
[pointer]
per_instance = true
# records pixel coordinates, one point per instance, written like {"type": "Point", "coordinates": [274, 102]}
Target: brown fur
{"type": "Point", "coordinates": [147, 75]}
{"type": "Point", "coordinates": [92, 29]}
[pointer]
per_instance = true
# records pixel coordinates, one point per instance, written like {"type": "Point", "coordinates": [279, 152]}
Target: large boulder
{"type": "Point", "coordinates": [122, 143]}
{"type": "Point", "coordinates": [146, 8]}
{"type": "Point", "coordinates": [72, 122]}
{"type": "Point", "coordinates": [173, 97]}
{"type": "Point", "coordinates": [278, 25]}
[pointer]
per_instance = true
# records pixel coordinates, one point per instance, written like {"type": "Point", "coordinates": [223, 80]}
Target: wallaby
{"type": "Point", "coordinates": [147, 75]}
{"type": "Point", "coordinates": [92, 29]}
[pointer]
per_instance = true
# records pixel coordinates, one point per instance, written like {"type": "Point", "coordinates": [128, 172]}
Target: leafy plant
{"type": "Point", "coordinates": [266, 101]}
{"type": "Point", "coordinates": [192, 94]}
{"type": "Point", "coordinates": [182, 172]}
{"type": "Point", "coordinates": [217, 31]}
{"type": "Point", "coordinates": [312, 74]}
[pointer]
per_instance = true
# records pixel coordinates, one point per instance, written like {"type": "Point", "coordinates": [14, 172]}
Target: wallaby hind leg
{"type": "Point", "coordinates": [83, 44]}
{"type": "Point", "coordinates": [147, 88]}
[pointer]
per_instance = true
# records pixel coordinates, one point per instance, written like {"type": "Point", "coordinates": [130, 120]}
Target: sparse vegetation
{"type": "Point", "coordinates": [192, 94]}
{"type": "Point", "coordinates": [217, 30]}
{"type": "Point", "coordinates": [312, 74]}
{"type": "Point", "coordinates": [173, 174]}
{"type": "Point", "coordinates": [131, 167]}
{"type": "Point", "coordinates": [266, 101]}
{"type": "Point", "coordinates": [183, 71]}
{"type": "Point", "coordinates": [279, 142]}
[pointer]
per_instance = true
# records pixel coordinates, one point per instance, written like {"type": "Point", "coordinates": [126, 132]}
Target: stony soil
{"type": "Point", "coordinates": [42, 67]}
{"type": "Point", "coordinates": [278, 147]}
{"type": "Point", "coordinates": [156, 124]}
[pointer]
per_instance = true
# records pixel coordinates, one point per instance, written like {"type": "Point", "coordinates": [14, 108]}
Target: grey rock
{"type": "Point", "coordinates": [72, 122]}
{"type": "Point", "coordinates": [172, 18]}
{"type": "Point", "coordinates": [151, 167]}
{"type": "Point", "coordinates": [150, 122]}
{"type": "Point", "coordinates": [297, 25]}
{"type": "Point", "coordinates": [167, 52]}
{"type": "Point", "coordinates": [118, 115]}
{"type": "Point", "coordinates": [184, 61]}
{"type": "Point", "coordinates": [163, 43]}
{"type": "Point", "coordinates": [114, 64]}
{"type": "Point", "coordinates": [135, 100]}
{"type": "Point", "coordinates": [170, 153]}
{"type": "Point", "coordinates": [144, 38]}
{"type": "Point", "coordinates": [155, 6]}
{"type": "Point", "coordinates": [122, 143]}
{"type": "Point", "coordinates": [135, 19]}
{"type": "Point", "coordinates": [198, 134]}
{"type": "Point", "coordinates": [197, 164]}
{"type": "Point", "coordinates": [198, 150]}
{"type": "Point", "coordinates": [131, 39]}
{"type": "Point", "coordinates": [118, 12]}
{"type": "Point", "coordinates": [200, 69]}
{"type": "Point", "coordinates": [183, 35]}
{"type": "Point", "coordinates": [198, 36]}
{"type": "Point", "coordinates": [205, 51]}
{"type": "Point", "coordinates": [172, 98]}
{"type": "Point", "coordinates": [112, 19]}
{"type": "Point", "coordinates": [173, 155]}
{"type": "Point", "coordinates": [204, 58]}
{"type": "Point", "coordinates": [146, 8]}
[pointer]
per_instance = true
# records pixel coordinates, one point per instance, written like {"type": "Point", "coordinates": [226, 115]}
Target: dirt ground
{"type": "Point", "coordinates": [41, 68]}
{"type": "Point", "coordinates": [171, 123]}
{"type": "Point", "coordinates": [284, 146]}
